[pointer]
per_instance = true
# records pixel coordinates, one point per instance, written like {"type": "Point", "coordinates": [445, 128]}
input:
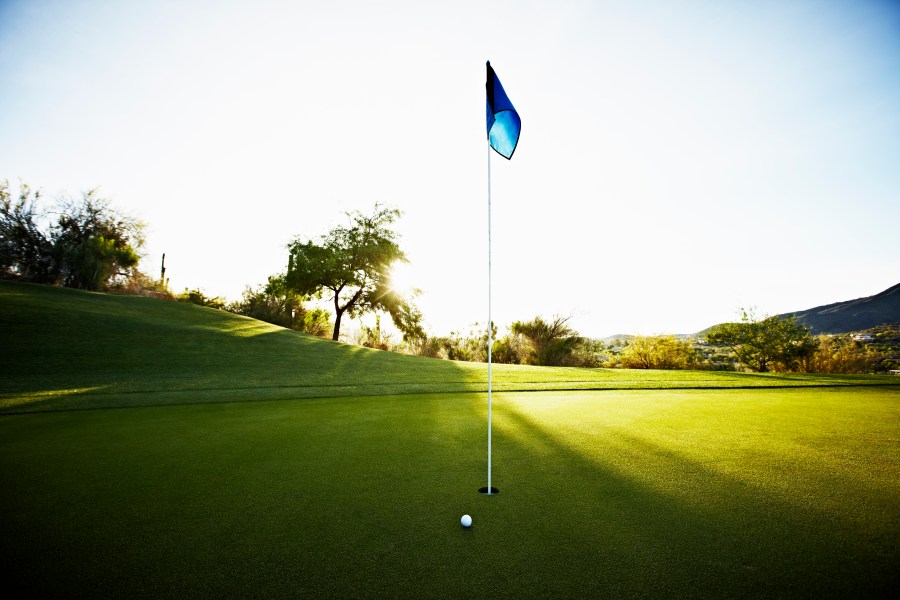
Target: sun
{"type": "Point", "coordinates": [401, 279]}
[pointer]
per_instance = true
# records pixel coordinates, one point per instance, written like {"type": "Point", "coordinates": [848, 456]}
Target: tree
{"type": "Point", "coordinates": [657, 352]}
{"type": "Point", "coordinates": [93, 243]}
{"type": "Point", "coordinates": [25, 250]}
{"type": "Point", "coordinates": [89, 246]}
{"type": "Point", "coordinates": [352, 265]}
{"type": "Point", "coordinates": [587, 353]}
{"type": "Point", "coordinates": [271, 303]}
{"type": "Point", "coordinates": [551, 343]}
{"type": "Point", "coordinates": [778, 343]}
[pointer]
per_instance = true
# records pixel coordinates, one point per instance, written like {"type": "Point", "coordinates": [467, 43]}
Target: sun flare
{"type": "Point", "coordinates": [402, 279]}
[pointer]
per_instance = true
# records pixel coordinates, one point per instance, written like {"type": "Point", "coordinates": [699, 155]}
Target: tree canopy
{"type": "Point", "coordinates": [26, 251]}
{"type": "Point", "coordinates": [766, 344]}
{"type": "Point", "coordinates": [93, 242]}
{"type": "Point", "coordinates": [88, 246]}
{"type": "Point", "coordinates": [352, 265]}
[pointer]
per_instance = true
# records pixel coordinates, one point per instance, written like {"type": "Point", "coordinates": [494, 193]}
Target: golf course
{"type": "Point", "coordinates": [153, 449]}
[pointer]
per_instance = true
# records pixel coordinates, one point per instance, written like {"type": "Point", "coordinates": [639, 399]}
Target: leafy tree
{"type": "Point", "coordinates": [551, 343]}
{"type": "Point", "coordinates": [314, 321]}
{"type": "Point", "coordinates": [588, 353]}
{"type": "Point", "coordinates": [406, 316]}
{"type": "Point", "coordinates": [25, 250]}
{"type": "Point", "coordinates": [657, 352]}
{"type": "Point", "coordinates": [89, 246]}
{"type": "Point", "coordinates": [352, 266]}
{"type": "Point", "coordinates": [272, 303]}
{"type": "Point", "coordinates": [773, 343]}
{"type": "Point", "coordinates": [93, 242]}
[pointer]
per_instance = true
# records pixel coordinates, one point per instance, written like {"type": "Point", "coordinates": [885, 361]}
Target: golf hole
{"type": "Point", "coordinates": [484, 490]}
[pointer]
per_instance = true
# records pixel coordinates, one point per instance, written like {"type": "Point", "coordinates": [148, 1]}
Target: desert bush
{"type": "Point", "coordinates": [841, 354]}
{"type": "Point", "coordinates": [197, 297]}
{"type": "Point", "coordinates": [658, 352]}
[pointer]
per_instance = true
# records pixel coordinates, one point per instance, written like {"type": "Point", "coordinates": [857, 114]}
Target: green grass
{"type": "Point", "coordinates": [743, 493]}
{"type": "Point", "coordinates": [158, 450]}
{"type": "Point", "coordinates": [66, 349]}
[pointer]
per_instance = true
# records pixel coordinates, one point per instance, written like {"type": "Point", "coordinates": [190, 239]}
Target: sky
{"type": "Point", "coordinates": [678, 160]}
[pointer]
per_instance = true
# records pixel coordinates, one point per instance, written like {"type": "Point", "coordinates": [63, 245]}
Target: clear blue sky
{"type": "Point", "coordinates": [678, 160]}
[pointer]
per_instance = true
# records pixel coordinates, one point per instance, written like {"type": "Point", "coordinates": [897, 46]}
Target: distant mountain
{"type": "Point", "coordinates": [852, 315]}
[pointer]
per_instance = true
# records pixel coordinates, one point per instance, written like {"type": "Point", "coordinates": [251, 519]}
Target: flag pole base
{"type": "Point", "coordinates": [485, 491]}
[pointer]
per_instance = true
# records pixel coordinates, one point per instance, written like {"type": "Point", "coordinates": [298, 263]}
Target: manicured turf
{"type": "Point", "coordinates": [741, 493]}
{"type": "Point", "coordinates": [66, 349]}
{"type": "Point", "coordinates": [158, 450]}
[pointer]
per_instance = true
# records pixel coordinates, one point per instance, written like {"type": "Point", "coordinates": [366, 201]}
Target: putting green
{"type": "Point", "coordinates": [671, 493]}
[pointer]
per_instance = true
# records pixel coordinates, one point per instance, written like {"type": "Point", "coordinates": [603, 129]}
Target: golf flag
{"type": "Point", "coordinates": [503, 123]}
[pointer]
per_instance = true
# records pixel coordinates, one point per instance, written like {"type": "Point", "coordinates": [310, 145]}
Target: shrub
{"type": "Point", "coordinates": [658, 352]}
{"type": "Point", "coordinates": [197, 297]}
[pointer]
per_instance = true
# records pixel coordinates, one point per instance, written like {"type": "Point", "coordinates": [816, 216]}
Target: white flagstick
{"type": "Point", "coordinates": [490, 323]}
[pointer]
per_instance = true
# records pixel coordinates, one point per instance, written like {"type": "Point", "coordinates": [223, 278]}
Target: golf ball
{"type": "Point", "coordinates": [466, 521]}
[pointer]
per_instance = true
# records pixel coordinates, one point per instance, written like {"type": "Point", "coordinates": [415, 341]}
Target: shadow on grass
{"type": "Point", "coordinates": [649, 522]}
{"type": "Point", "coordinates": [126, 351]}
{"type": "Point", "coordinates": [140, 364]}
{"type": "Point", "coordinates": [361, 497]}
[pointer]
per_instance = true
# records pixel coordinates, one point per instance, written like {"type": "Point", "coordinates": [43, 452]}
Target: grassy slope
{"type": "Point", "coordinates": [67, 349]}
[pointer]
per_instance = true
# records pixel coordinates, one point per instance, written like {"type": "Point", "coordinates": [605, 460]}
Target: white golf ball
{"type": "Point", "coordinates": [466, 521]}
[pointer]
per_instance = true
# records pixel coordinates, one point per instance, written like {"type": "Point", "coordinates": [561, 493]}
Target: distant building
{"type": "Point", "coordinates": [863, 337]}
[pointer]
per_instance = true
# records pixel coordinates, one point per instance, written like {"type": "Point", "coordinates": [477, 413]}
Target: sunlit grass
{"type": "Point", "coordinates": [672, 493]}
{"type": "Point", "coordinates": [133, 351]}
{"type": "Point", "coordinates": [20, 400]}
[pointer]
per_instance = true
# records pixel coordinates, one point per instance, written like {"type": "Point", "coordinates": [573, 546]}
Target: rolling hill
{"type": "Point", "coordinates": [852, 315]}
{"type": "Point", "coordinates": [67, 349]}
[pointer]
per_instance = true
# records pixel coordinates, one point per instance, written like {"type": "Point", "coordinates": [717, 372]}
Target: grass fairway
{"type": "Point", "coordinates": [149, 449]}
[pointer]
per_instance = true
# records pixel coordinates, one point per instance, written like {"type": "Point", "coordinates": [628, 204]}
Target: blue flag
{"type": "Point", "coordinates": [503, 123]}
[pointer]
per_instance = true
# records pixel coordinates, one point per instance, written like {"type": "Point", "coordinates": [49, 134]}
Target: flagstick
{"type": "Point", "coordinates": [490, 323]}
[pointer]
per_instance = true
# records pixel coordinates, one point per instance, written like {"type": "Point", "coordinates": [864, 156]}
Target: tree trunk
{"type": "Point", "coordinates": [338, 312]}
